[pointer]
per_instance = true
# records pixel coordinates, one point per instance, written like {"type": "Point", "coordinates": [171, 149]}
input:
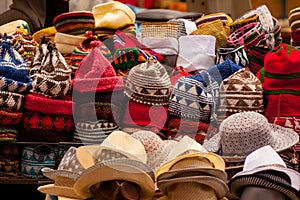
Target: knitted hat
{"type": "Point", "coordinates": [148, 83]}
{"type": "Point", "coordinates": [242, 133]}
{"type": "Point", "coordinates": [236, 54]}
{"type": "Point", "coordinates": [93, 132]}
{"type": "Point", "coordinates": [240, 92]}
{"type": "Point", "coordinates": [225, 19]}
{"type": "Point", "coordinates": [279, 82]}
{"type": "Point", "coordinates": [216, 29]}
{"type": "Point", "coordinates": [95, 73]}
{"type": "Point", "coordinates": [242, 21]}
{"type": "Point", "coordinates": [113, 15]}
{"type": "Point", "coordinates": [66, 43]}
{"type": "Point", "coordinates": [223, 70]}
{"type": "Point", "coordinates": [107, 33]}
{"type": "Point", "coordinates": [256, 56]}
{"type": "Point", "coordinates": [125, 59]}
{"type": "Point", "coordinates": [64, 177]}
{"type": "Point", "coordinates": [10, 101]}
{"type": "Point", "coordinates": [8, 133]}
{"type": "Point", "coordinates": [293, 18]}
{"type": "Point", "coordinates": [48, 32]}
{"type": "Point", "coordinates": [10, 118]}
{"type": "Point", "coordinates": [194, 97]}
{"type": "Point", "coordinates": [13, 71]}
{"type": "Point", "coordinates": [50, 73]}
{"type": "Point", "coordinates": [264, 168]}
{"type": "Point", "coordinates": [74, 23]}
{"type": "Point", "coordinates": [196, 52]}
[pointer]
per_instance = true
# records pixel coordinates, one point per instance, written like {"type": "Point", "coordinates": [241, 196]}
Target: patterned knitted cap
{"type": "Point", "coordinates": [74, 23]}
{"type": "Point", "coordinates": [256, 56]}
{"type": "Point", "coordinates": [194, 97]}
{"type": "Point", "coordinates": [50, 73]}
{"type": "Point", "coordinates": [14, 75]}
{"type": "Point", "coordinates": [242, 133]}
{"type": "Point", "coordinates": [223, 70]}
{"type": "Point", "coordinates": [225, 19]}
{"type": "Point", "coordinates": [148, 83]}
{"type": "Point", "coordinates": [236, 54]}
{"type": "Point", "coordinates": [240, 92]}
{"type": "Point", "coordinates": [96, 74]}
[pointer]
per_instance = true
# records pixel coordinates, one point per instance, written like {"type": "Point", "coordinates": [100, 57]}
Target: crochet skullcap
{"type": "Point", "coordinates": [194, 97]}
{"type": "Point", "coordinates": [13, 71]}
{"type": "Point", "coordinates": [241, 92]}
{"type": "Point", "coordinates": [148, 83]}
{"type": "Point", "coordinates": [50, 73]}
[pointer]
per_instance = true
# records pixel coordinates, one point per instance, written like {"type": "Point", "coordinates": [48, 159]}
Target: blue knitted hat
{"type": "Point", "coordinates": [224, 70]}
{"type": "Point", "coordinates": [194, 97]}
{"type": "Point", "coordinates": [14, 76]}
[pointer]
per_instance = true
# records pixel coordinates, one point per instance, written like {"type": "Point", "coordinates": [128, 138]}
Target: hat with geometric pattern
{"type": "Point", "coordinates": [148, 83]}
{"type": "Point", "coordinates": [68, 170]}
{"type": "Point", "coordinates": [236, 54]}
{"type": "Point", "coordinates": [240, 92]}
{"type": "Point", "coordinates": [50, 73]}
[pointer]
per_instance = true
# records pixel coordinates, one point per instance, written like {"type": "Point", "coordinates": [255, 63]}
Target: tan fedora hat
{"type": "Point", "coordinates": [118, 169]}
{"type": "Point", "coordinates": [118, 144]}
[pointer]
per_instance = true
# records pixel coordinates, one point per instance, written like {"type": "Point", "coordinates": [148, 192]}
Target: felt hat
{"type": "Point", "coordinates": [196, 52]}
{"type": "Point", "coordinates": [241, 91]}
{"type": "Point", "coordinates": [148, 83]}
{"type": "Point", "coordinates": [64, 176]}
{"type": "Point", "coordinates": [66, 43]}
{"type": "Point", "coordinates": [96, 74]}
{"type": "Point", "coordinates": [242, 133]}
{"type": "Point", "coordinates": [74, 23]}
{"type": "Point", "coordinates": [117, 144]}
{"type": "Point", "coordinates": [122, 169]}
{"type": "Point", "coordinates": [263, 168]}
{"type": "Point", "coordinates": [113, 15]}
{"type": "Point", "coordinates": [50, 73]}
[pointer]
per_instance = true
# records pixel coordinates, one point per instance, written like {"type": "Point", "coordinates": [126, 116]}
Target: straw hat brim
{"type": "Point", "coordinates": [118, 169]}
{"type": "Point", "coordinates": [86, 154]}
{"type": "Point", "coordinates": [236, 185]}
{"type": "Point", "coordinates": [52, 173]}
{"type": "Point", "coordinates": [221, 174]}
{"type": "Point", "coordinates": [215, 159]}
{"type": "Point", "coordinates": [220, 187]}
{"type": "Point", "coordinates": [282, 139]}
{"type": "Point", "coordinates": [59, 191]}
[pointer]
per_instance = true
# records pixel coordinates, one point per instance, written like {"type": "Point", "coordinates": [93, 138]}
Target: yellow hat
{"type": "Point", "coordinates": [66, 43]}
{"type": "Point", "coordinates": [48, 32]}
{"type": "Point", "coordinates": [113, 15]}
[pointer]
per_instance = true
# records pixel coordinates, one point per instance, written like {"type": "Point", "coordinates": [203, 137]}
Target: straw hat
{"type": "Point", "coordinates": [242, 133]}
{"type": "Point", "coordinates": [64, 176]}
{"type": "Point", "coordinates": [117, 144]}
{"type": "Point", "coordinates": [265, 168]}
{"type": "Point", "coordinates": [118, 169]}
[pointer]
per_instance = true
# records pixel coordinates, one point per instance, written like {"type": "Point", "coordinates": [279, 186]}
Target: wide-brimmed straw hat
{"type": "Point", "coordinates": [265, 168]}
{"type": "Point", "coordinates": [242, 133]}
{"type": "Point", "coordinates": [64, 176]}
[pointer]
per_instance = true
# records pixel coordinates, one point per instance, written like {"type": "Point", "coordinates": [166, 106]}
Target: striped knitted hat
{"type": "Point", "coordinates": [256, 56]}
{"type": "Point", "coordinates": [279, 82]}
{"type": "Point", "coordinates": [50, 73]}
{"type": "Point", "coordinates": [13, 71]}
{"type": "Point", "coordinates": [225, 19]}
{"type": "Point", "coordinates": [241, 92]}
{"type": "Point", "coordinates": [294, 18]}
{"type": "Point", "coordinates": [74, 23]}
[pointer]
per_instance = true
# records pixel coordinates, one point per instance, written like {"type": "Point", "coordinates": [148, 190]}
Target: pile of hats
{"type": "Point", "coordinates": [48, 106]}
{"type": "Point", "coordinates": [97, 97]}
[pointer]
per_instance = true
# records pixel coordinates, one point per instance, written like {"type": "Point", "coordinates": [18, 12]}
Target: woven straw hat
{"type": "Point", "coordinates": [64, 176]}
{"type": "Point", "coordinates": [242, 133]}
{"type": "Point", "coordinates": [118, 169]}
{"type": "Point", "coordinates": [262, 168]}
{"type": "Point", "coordinates": [117, 144]}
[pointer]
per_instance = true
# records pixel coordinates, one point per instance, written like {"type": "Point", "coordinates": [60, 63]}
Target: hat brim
{"type": "Point", "coordinates": [240, 182]}
{"type": "Point", "coordinates": [52, 173]}
{"type": "Point", "coordinates": [220, 187]}
{"type": "Point", "coordinates": [118, 169]}
{"type": "Point", "coordinates": [59, 191]}
{"type": "Point", "coordinates": [215, 159]}
{"type": "Point", "coordinates": [221, 174]}
{"type": "Point", "coordinates": [282, 139]}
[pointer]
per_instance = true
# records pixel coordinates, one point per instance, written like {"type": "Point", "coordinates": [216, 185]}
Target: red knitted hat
{"type": "Point", "coordinates": [280, 77]}
{"type": "Point", "coordinates": [95, 73]}
{"type": "Point", "coordinates": [39, 103]}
